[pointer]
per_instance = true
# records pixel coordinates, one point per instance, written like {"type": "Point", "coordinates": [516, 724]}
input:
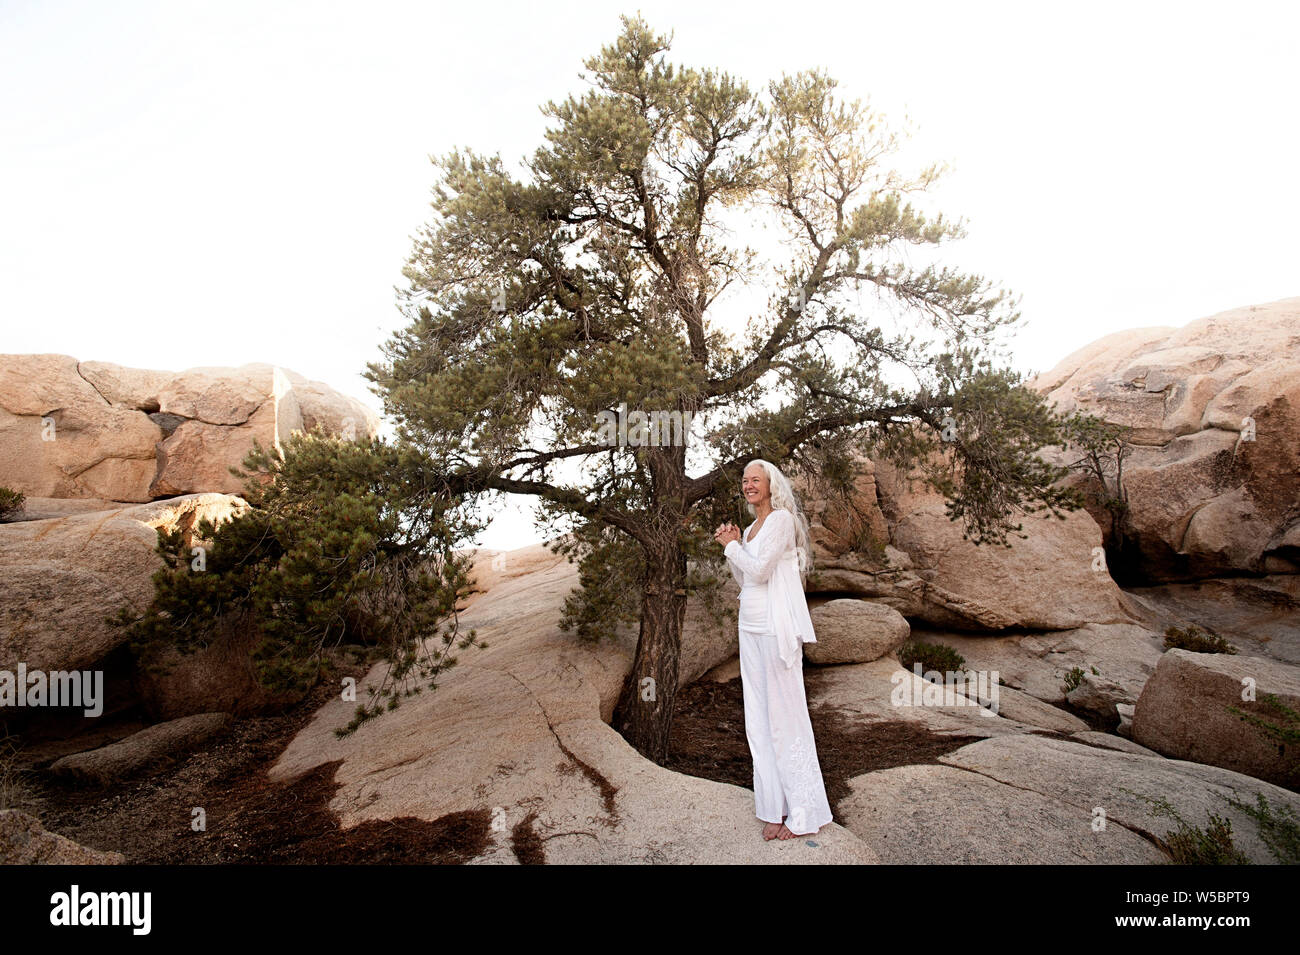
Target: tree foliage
{"type": "Point", "coordinates": [1100, 449]}
{"type": "Point", "coordinates": [614, 269]}
{"type": "Point", "coordinates": [343, 545]}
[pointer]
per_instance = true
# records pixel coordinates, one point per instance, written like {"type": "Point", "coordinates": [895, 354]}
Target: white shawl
{"type": "Point", "coordinates": [777, 565]}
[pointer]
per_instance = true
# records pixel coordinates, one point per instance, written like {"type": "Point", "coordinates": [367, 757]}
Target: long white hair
{"type": "Point", "coordinates": [783, 496]}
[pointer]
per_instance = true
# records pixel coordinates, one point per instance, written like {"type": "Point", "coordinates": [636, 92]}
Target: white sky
{"type": "Point", "coordinates": [191, 184]}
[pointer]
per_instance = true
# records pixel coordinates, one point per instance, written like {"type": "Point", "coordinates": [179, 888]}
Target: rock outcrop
{"type": "Point", "coordinates": [893, 542]}
{"type": "Point", "coordinates": [24, 841]}
{"type": "Point", "coordinates": [854, 631]}
{"type": "Point", "coordinates": [1038, 663]}
{"type": "Point", "coordinates": [1215, 412]}
{"type": "Point", "coordinates": [64, 575]}
{"type": "Point", "coordinates": [1209, 707]}
{"type": "Point", "coordinates": [89, 429]}
{"type": "Point", "coordinates": [1024, 799]}
{"type": "Point", "coordinates": [521, 729]}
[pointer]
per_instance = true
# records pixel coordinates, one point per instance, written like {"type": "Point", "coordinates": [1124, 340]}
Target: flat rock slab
{"type": "Point", "coordinates": [138, 751]}
{"type": "Point", "coordinates": [1023, 708]}
{"type": "Point", "coordinates": [1037, 663]}
{"type": "Point", "coordinates": [1111, 741]}
{"type": "Point", "coordinates": [868, 692]}
{"type": "Point", "coordinates": [670, 818]}
{"type": "Point", "coordinates": [1257, 615]}
{"type": "Point", "coordinates": [49, 508]}
{"type": "Point", "coordinates": [1129, 787]}
{"type": "Point", "coordinates": [941, 815]}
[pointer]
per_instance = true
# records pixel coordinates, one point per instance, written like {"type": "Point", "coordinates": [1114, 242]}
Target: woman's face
{"type": "Point", "coordinates": [755, 485]}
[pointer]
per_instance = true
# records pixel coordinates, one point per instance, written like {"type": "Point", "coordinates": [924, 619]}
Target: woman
{"type": "Point", "coordinates": [788, 791]}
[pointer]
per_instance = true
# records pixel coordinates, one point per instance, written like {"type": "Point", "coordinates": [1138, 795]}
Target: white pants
{"type": "Point", "coordinates": [787, 776]}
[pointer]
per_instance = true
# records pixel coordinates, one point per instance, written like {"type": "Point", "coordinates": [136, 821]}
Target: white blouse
{"type": "Point", "coordinates": [770, 576]}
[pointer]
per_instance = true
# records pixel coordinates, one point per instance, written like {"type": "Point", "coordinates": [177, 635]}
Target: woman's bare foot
{"type": "Point", "coordinates": [771, 829]}
{"type": "Point", "coordinates": [784, 833]}
{"type": "Point", "coordinates": [795, 835]}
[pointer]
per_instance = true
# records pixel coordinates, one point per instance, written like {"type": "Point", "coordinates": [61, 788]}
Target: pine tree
{"type": "Point", "coordinates": [588, 288]}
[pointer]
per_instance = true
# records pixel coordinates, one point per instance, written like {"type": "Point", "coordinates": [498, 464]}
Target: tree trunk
{"type": "Point", "coordinates": [644, 712]}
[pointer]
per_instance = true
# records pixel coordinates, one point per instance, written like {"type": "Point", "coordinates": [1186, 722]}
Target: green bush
{"type": "Point", "coordinates": [11, 502]}
{"type": "Point", "coordinates": [1197, 640]}
{"type": "Point", "coordinates": [1213, 845]}
{"type": "Point", "coordinates": [1192, 845]}
{"type": "Point", "coordinates": [1280, 831]}
{"type": "Point", "coordinates": [931, 656]}
{"type": "Point", "coordinates": [345, 545]}
{"type": "Point", "coordinates": [1072, 680]}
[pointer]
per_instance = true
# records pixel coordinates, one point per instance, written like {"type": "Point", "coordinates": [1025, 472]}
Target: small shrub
{"type": "Point", "coordinates": [1197, 640]}
{"type": "Point", "coordinates": [12, 790]}
{"type": "Point", "coordinates": [931, 656]}
{"type": "Point", "coordinates": [11, 503]}
{"type": "Point", "coordinates": [1280, 832]}
{"type": "Point", "coordinates": [1192, 845]}
{"type": "Point", "coordinates": [1073, 679]}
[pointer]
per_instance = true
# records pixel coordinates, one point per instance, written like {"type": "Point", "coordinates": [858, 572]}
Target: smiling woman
{"type": "Point", "coordinates": [789, 794]}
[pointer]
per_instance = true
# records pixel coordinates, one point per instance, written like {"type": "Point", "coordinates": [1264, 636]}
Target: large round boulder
{"type": "Point", "coordinates": [1223, 709]}
{"type": "Point", "coordinates": [63, 576]}
{"type": "Point", "coordinates": [854, 631]}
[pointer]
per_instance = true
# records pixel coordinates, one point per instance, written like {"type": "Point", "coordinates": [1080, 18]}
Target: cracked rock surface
{"type": "Point", "coordinates": [521, 727]}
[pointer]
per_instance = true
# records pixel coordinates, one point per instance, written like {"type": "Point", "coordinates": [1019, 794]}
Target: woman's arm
{"type": "Point", "coordinates": [736, 572]}
{"type": "Point", "coordinates": [773, 544]}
